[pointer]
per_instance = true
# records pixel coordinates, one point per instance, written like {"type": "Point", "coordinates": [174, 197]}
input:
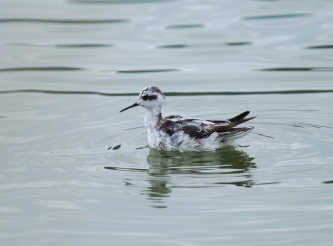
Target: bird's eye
{"type": "Point", "coordinates": [145, 97]}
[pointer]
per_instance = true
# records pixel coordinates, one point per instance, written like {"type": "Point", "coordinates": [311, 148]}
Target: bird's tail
{"type": "Point", "coordinates": [239, 119]}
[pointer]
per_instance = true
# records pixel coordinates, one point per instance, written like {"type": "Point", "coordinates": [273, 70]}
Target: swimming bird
{"type": "Point", "coordinates": [177, 133]}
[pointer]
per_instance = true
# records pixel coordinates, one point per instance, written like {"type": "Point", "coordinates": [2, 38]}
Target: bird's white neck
{"type": "Point", "coordinates": [153, 122]}
{"type": "Point", "coordinates": [153, 118]}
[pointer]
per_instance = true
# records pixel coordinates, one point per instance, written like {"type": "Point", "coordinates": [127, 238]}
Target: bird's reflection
{"type": "Point", "coordinates": [226, 166]}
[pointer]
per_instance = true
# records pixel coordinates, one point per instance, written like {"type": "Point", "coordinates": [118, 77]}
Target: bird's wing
{"type": "Point", "coordinates": [202, 128]}
{"type": "Point", "coordinates": [192, 127]}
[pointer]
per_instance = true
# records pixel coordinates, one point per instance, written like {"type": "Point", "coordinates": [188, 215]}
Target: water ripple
{"type": "Point", "coordinates": [329, 46]}
{"type": "Point", "coordinates": [24, 69]}
{"type": "Point", "coordinates": [148, 71]}
{"type": "Point", "coordinates": [296, 69]}
{"type": "Point", "coordinates": [184, 26]}
{"type": "Point", "coordinates": [281, 16]}
{"type": "Point", "coordinates": [176, 46]}
{"type": "Point", "coordinates": [84, 45]}
{"type": "Point", "coordinates": [85, 21]}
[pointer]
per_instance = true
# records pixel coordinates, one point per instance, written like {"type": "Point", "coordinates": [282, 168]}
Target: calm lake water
{"type": "Point", "coordinates": [76, 172]}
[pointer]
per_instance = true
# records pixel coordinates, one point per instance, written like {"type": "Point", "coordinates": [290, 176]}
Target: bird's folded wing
{"type": "Point", "coordinates": [219, 127]}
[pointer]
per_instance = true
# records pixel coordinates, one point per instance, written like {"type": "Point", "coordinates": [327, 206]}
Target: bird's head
{"type": "Point", "coordinates": [150, 98]}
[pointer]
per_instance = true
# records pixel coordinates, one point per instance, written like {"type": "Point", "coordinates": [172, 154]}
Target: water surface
{"type": "Point", "coordinates": [75, 171]}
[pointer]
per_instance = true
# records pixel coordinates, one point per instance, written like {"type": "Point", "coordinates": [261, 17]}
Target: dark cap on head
{"type": "Point", "coordinates": [157, 90]}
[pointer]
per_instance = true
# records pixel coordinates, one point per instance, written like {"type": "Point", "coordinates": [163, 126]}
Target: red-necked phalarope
{"type": "Point", "coordinates": [177, 133]}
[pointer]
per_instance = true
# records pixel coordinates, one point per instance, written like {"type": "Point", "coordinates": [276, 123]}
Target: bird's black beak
{"type": "Point", "coordinates": [132, 106]}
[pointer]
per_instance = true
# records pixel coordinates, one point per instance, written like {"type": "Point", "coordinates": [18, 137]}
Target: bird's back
{"type": "Point", "coordinates": [184, 134]}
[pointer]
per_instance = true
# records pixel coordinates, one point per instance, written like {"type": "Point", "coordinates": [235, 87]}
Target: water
{"type": "Point", "coordinates": [75, 171]}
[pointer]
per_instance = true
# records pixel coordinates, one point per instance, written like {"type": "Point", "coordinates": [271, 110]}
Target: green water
{"type": "Point", "coordinates": [76, 172]}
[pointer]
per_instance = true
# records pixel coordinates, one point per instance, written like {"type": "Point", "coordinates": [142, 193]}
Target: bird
{"type": "Point", "coordinates": [185, 134]}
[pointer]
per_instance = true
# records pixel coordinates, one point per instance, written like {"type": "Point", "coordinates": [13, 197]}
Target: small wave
{"type": "Point", "coordinates": [184, 26]}
{"type": "Point", "coordinates": [305, 125]}
{"type": "Point", "coordinates": [27, 69]}
{"type": "Point", "coordinates": [149, 71]}
{"type": "Point", "coordinates": [63, 45]}
{"type": "Point", "coordinates": [282, 16]}
{"type": "Point", "coordinates": [83, 45]}
{"type": "Point", "coordinates": [87, 21]}
{"type": "Point", "coordinates": [177, 46]}
{"type": "Point", "coordinates": [296, 69]}
{"type": "Point", "coordinates": [127, 169]}
{"type": "Point", "coordinates": [329, 46]}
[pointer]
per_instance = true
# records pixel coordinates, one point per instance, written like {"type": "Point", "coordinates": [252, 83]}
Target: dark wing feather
{"type": "Point", "coordinates": [191, 127]}
{"type": "Point", "coordinates": [239, 117]}
{"type": "Point", "coordinates": [199, 129]}
{"type": "Point", "coordinates": [218, 128]}
{"type": "Point", "coordinates": [222, 126]}
{"type": "Point", "coordinates": [196, 131]}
